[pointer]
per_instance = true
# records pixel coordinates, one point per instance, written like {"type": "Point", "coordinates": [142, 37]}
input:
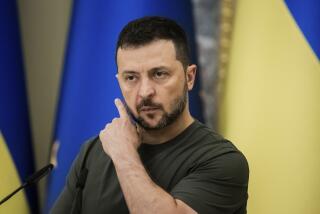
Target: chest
{"type": "Point", "coordinates": [103, 194]}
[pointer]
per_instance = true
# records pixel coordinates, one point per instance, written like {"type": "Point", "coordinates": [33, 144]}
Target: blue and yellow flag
{"type": "Point", "coordinates": [271, 108]}
{"type": "Point", "coordinates": [89, 85]}
{"type": "Point", "coordinates": [16, 160]}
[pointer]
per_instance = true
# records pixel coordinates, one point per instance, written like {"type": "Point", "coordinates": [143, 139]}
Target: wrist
{"type": "Point", "coordinates": [126, 159]}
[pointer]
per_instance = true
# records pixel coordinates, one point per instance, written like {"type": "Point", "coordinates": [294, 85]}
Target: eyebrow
{"type": "Point", "coordinates": [128, 72]}
{"type": "Point", "coordinates": [150, 70]}
{"type": "Point", "coordinates": [159, 68]}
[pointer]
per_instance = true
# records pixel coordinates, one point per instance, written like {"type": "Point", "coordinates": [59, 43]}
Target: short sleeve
{"type": "Point", "coordinates": [217, 186]}
{"type": "Point", "coordinates": [64, 201]}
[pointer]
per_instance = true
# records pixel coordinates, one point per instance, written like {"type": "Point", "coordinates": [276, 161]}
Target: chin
{"type": "Point", "coordinates": [150, 124]}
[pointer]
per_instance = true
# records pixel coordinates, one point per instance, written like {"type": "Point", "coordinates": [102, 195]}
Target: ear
{"type": "Point", "coordinates": [117, 77]}
{"type": "Point", "coordinates": [191, 75]}
{"type": "Point", "coordinates": [119, 82]}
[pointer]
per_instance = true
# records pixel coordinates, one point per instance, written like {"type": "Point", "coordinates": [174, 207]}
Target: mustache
{"type": "Point", "coordinates": [147, 102]}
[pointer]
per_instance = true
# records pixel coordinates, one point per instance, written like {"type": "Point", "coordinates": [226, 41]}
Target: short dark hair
{"type": "Point", "coordinates": [145, 30]}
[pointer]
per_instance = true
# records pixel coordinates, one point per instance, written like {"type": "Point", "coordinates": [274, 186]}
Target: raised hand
{"type": "Point", "coordinates": [120, 138]}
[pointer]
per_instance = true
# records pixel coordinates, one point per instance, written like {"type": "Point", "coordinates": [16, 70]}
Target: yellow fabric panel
{"type": "Point", "coordinates": [271, 108]}
{"type": "Point", "coordinates": [9, 181]}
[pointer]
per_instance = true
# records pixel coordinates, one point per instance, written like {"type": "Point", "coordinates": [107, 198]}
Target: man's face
{"type": "Point", "coordinates": [153, 83]}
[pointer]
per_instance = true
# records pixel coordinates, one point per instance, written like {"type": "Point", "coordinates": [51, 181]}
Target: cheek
{"type": "Point", "coordinates": [130, 99]}
{"type": "Point", "coordinates": [171, 93]}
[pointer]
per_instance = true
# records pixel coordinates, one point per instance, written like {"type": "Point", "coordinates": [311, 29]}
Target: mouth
{"type": "Point", "coordinates": [148, 109]}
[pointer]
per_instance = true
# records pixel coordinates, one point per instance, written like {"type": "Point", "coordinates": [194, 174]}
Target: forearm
{"type": "Point", "coordinates": [142, 195]}
{"type": "Point", "coordinates": [120, 141]}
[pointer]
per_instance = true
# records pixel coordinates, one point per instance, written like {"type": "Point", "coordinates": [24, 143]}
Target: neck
{"type": "Point", "coordinates": [169, 132]}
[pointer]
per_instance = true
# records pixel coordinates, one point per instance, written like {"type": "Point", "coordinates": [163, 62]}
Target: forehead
{"type": "Point", "coordinates": [156, 53]}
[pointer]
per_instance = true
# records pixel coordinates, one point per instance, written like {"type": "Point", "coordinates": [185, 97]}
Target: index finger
{"type": "Point", "coordinates": [121, 109]}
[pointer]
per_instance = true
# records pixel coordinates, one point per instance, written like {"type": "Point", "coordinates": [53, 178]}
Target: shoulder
{"type": "Point", "coordinates": [216, 154]}
{"type": "Point", "coordinates": [92, 153]}
{"type": "Point", "coordinates": [217, 181]}
{"type": "Point", "coordinates": [210, 143]}
{"type": "Point", "coordinates": [203, 133]}
{"type": "Point", "coordinates": [90, 144]}
{"type": "Point", "coordinates": [83, 154]}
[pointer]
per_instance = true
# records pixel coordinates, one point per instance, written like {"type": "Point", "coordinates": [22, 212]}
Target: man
{"type": "Point", "coordinates": [155, 158]}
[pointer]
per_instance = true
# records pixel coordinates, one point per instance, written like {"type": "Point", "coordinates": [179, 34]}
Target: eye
{"type": "Point", "coordinates": [130, 77]}
{"type": "Point", "coordinates": [160, 74]}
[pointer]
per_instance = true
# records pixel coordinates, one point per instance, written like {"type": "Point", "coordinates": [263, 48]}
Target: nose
{"type": "Point", "coordinates": [146, 89]}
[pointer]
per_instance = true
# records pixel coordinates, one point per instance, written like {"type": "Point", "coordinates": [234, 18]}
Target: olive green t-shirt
{"type": "Point", "coordinates": [198, 167]}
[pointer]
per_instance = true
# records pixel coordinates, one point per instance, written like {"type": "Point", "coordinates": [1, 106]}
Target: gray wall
{"type": "Point", "coordinates": [44, 27]}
